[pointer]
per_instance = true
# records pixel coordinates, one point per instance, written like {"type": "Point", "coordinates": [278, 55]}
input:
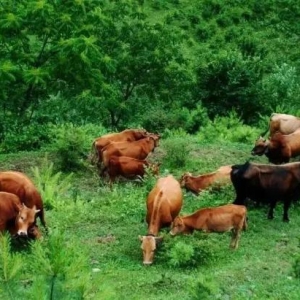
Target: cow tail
{"type": "Point", "coordinates": [245, 225]}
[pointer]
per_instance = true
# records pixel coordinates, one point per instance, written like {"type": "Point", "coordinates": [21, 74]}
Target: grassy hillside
{"type": "Point", "coordinates": [93, 251]}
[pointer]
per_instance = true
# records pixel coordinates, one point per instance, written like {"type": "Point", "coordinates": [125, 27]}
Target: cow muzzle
{"type": "Point", "coordinates": [22, 233]}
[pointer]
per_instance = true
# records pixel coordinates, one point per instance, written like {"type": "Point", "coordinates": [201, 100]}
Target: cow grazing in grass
{"type": "Point", "coordinates": [139, 149]}
{"type": "Point", "coordinates": [279, 148]}
{"type": "Point", "coordinates": [196, 184]}
{"type": "Point", "coordinates": [17, 218]}
{"type": "Point", "coordinates": [19, 184]}
{"type": "Point", "coordinates": [267, 183]}
{"type": "Point", "coordinates": [127, 135]}
{"type": "Point", "coordinates": [164, 203]}
{"type": "Point", "coordinates": [129, 167]}
{"type": "Point", "coordinates": [214, 219]}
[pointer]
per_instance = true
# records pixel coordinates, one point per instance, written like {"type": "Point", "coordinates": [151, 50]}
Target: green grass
{"type": "Point", "coordinates": [96, 232]}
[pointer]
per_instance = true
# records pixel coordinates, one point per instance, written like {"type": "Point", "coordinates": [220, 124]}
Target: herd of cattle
{"type": "Point", "coordinates": [125, 154]}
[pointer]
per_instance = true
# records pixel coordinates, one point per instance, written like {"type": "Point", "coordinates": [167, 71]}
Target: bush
{"type": "Point", "coordinates": [185, 254]}
{"type": "Point", "coordinates": [71, 148]}
{"type": "Point", "coordinates": [177, 152]}
{"type": "Point", "coordinates": [229, 128]}
{"type": "Point", "coordinates": [26, 138]}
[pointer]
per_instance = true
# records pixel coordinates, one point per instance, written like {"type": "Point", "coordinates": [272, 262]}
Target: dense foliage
{"type": "Point", "coordinates": [158, 64]}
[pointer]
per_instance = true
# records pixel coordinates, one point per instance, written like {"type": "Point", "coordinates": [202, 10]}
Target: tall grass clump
{"type": "Point", "coordinates": [10, 269]}
{"type": "Point", "coordinates": [61, 270]}
{"type": "Point", "coordinates": [52, 185]}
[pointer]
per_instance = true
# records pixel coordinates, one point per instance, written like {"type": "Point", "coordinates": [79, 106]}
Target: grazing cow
{"type": "Point", "coordinates": [279, 148]}
{"type": "Point", "coordinates": [138, 149]}
{"type": "Point", "coordinates": [127, 135]}
{"type": "Point", "coordinates": [196, 184]}
{"type": "Point", "coordinates": [19, 184]}
{"type": "Point", "coordinates": [283, 123]}
{"type": "Point", "coordinates": [16, 218]}
{"type": "Point", "coordinates": [164, 203]}
{"type": "Point", "coordinates": [214, 219]}
{"type": "Point", "coordinates": [128, 167]}
{"type": "Point", "coordinates": [268, 183]}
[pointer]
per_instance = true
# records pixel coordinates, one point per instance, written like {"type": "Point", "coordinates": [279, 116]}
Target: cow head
{"type": "Point", "coordinates": [177, 226]}
{"type": "Point", "coordinates": [155, 138]}
{"type": "Point", "coordinates": [25, 219]}
{"type": "Point", "coordinates": [148, 246]}
{"type": "Point", "coordinates": [260, 147]}
{"type": "Point", "coordinates": [140, 133]}
{"type": "Point", "coordinates": [183, 179]}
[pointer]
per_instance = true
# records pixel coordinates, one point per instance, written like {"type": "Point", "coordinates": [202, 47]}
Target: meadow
{"type": "Point", "coordinates": [92, 250]}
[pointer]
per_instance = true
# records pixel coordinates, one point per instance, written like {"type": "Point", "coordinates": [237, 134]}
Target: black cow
{"type": "Point", "coordinates": [267, 183]}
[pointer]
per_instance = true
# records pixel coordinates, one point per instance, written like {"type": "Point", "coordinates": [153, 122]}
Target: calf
{"type": "Point", "coordinates": [128, 167]}
{"type": "Point", "coordinates": [164, 203]}
{"type": "Point", "coordinates": [17, 218]}
{"type": "Point", "coordinates": [196, 184]}
{"type": "Point", "coordinates": [214, 219]}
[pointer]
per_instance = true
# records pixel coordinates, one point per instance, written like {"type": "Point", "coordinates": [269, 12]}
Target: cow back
{"type": "Point", "coordinates": [164, 203]}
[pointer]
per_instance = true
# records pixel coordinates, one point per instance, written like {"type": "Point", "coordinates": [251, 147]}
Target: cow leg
{"type": "Point", "coordinates": [233, 241]}
{"type": "Point", "coordinates": [285, 211]}
{"type": "Point", "coordinates": [271, 210]}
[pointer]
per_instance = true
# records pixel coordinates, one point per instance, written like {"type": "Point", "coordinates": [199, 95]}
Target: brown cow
{"type": "Point", "coordinates": [164, 203]}
{"type": "Point", "coordinates": [279, 148]}
{"type": "Point", "coordinates": [214, 219]}
{"type": "Point", "coordinates": [19, 184]}
{"type": "Point", "coordinates": [16, 218]}
{"type": "Point", "coordinates": [128, 167]}
{"type": "Point", "coordinates": [127, 135]}
{"type": "Point", "coordinates": [283, 123]}
{"type": "Point", "coordinates": [137, 149]}
{"type": "Point", "coordinates": [196, 184]}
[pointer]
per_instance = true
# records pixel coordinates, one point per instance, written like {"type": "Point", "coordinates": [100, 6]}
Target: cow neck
{"type": "Point", "coordinates": [154, 224]}
{"type": "Point", "coordinates": [190, 222]}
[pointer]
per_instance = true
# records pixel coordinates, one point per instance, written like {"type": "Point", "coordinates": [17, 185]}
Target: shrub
{"type": "Point", "coordinates": [177, 152]}
{"type": "Point", "coordinates": [25, 138]}
{"type": "Point", "coordinates": [184, 254]}
{"type": "Point", "coordinates": [70, 147]}
{"type": "Point", "coordinates": [228, 128]}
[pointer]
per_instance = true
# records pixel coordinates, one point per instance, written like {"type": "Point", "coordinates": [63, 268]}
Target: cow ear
{"type": "Point", "coordinates": [140, 238]}
{"type": "Point", "coordinates": [37, 210]}
{"type": "Point", "coordinates": [24, 206]}
{"type": "Point", "coordinates": [19, 207]}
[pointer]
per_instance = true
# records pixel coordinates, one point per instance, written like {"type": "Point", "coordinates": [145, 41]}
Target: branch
{"type": "Point", "coordinates": [129, 89]}
{"type": "Point", "coordinates": [36, 64]}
